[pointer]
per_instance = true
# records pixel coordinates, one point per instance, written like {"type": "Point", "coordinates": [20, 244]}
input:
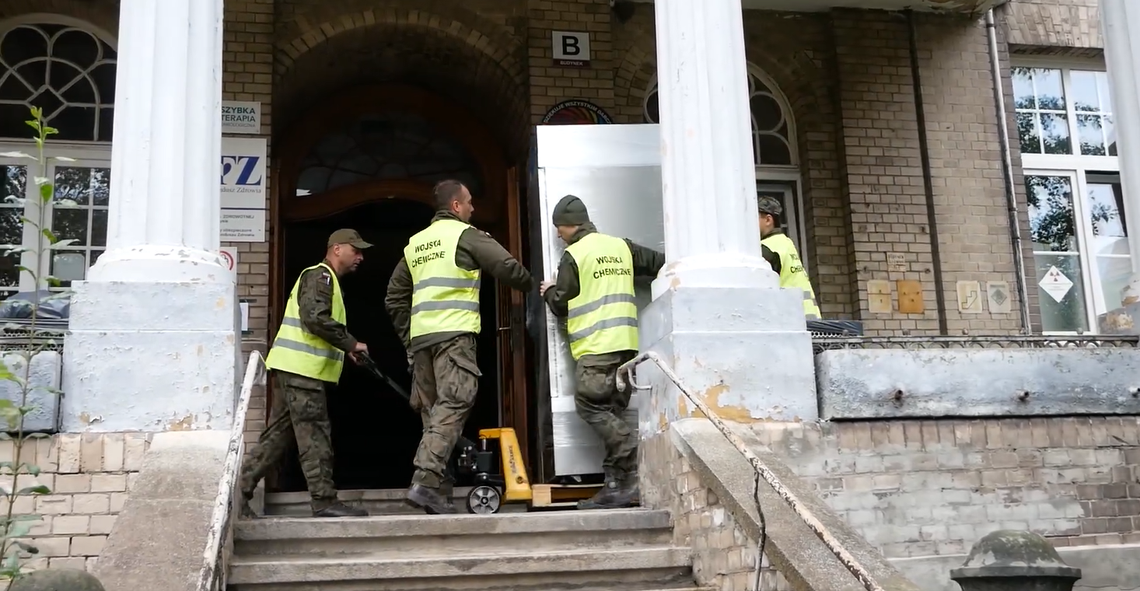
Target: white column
{"type": "Point", "coordinates": [718, 316]}
{"type": "Point", "coordinates": [1120, 25]}
{"type": "Point", "coordinates": [153, 343]}
{"type": "Point", "coordinates": [707, 168]}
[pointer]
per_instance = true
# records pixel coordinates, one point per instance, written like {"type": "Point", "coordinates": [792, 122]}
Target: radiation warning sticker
{"type": "Point", "coordinates": [1056, 284]}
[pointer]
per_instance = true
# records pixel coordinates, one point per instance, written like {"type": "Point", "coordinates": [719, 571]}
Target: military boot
{"type": "Point", "coordinates": [245, 511]}
{"type": "Point", "coordinates": [339, 509]}
{"type": "Point", "coordinates": [447, 491]}
{"type": "Point", "coordinates": [430, 500]}
{"type": "Point", "coordinates": [618, 492]}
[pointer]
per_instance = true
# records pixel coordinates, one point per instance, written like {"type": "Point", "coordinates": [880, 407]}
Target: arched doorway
{"type": "Point", "coordinates": [367, 160]}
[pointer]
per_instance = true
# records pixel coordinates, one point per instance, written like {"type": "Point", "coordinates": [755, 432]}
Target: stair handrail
{"type": "Point", "coordinates": [219, 544]}
{"type": "Point", "coordinates": [626, 375]}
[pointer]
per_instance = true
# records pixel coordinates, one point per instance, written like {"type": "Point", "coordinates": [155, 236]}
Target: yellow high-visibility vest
{"type": "Point", "coordinates": [296, 350]}
{"type": "Point", "coordinates": [445, 296]}
{"type": "Point", "coordinates": [603, 316]}
{"type": "Point", "coordinates": [792, 272]}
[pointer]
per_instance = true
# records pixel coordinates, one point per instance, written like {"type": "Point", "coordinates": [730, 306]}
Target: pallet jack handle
{"type": "Point", "coordinates": [370, 364]}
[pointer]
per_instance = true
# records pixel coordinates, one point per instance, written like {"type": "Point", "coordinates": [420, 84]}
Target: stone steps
{"type": "Point", "coordinates": [626, 550]}
{"type": "Point", "coordinates": [376, 502]}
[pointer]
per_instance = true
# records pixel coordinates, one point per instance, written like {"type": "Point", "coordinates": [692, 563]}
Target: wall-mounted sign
{"type": "Point", "coordinates": [241, 117]}
{"type": "Point", "coordinates": [244, 305]}
{"type": "Point", "coordinates": [229, 257]}
{"type": "Point", "coordinates": [243, 172]}
{"type": "Point", "coordinates": [571, 48]}
{"type": "Point", "coordinates": [576, 112]}
{"type": "Point", "coordinates": [243, 225]}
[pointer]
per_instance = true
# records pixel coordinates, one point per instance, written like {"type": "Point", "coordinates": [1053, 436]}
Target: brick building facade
{"type": "Point", "coordinates": [842, 80]}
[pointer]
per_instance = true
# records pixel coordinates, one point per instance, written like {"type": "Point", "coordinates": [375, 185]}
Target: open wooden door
{"type": "Point", "coordinates": [512, 344]}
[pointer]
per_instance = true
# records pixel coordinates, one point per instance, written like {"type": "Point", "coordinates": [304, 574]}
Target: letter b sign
{"type": "Point", "coordinates": [571, 48]}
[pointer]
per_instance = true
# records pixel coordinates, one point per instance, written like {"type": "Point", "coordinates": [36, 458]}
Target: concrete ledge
{"type": "Point", "coordinates": [793, 549]}
{"type": "Point", "coordinates": [885, 383]}
{"type": "Point", "coordinates": [557, 566]}
{"type": "Point", "coordinates": [459, 525]}
{"type": "Point", "coordinates": [159, 538]}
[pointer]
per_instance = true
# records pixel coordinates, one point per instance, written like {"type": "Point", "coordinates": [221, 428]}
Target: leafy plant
{"type": "Point", "coordinates": [14, 545]}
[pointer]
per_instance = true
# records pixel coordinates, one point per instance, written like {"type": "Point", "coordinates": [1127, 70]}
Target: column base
{"type": "Point", "coordinates": [157, 263]}
{"type": "Point", "coordinates": [745, 352]}
{"type": "Point", "coordinates": [719, 270]}
{"type": "Point", "coordinates": [152, 355]}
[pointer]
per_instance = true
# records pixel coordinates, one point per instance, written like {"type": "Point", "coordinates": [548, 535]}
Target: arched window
{"type": "Point", "coordinates": [774, 147]}
{"type": "Point", "coordinates": [67, 70]}
{"type": "Point", "coordinates": [393, 145]}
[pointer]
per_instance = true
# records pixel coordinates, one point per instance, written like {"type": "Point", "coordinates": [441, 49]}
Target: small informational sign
{"type": "Point", "coordinates": [243, 172]}
{"type": "Point", "coordinates": [241, 117]}
{"type": "Point", "coordinates": [896, 262]}
{"type": "Point", "coordinates": [229, 257]}
{"type": "Point", "coordinates": [245, 331]}
{"type": "Point", "coordinates": [576, 112]}
{"type": "Point", "coordinates": [879, 296]}
{"type": "Point", "coordinates": [910, 297]}
{"type": "Point", "coordinates": [571, 48]}
{"type": "Point", "coordinates": [999, 297]}
{"type": "Point", "coordinates": [969, 297]}
{"type": "Point", "coordinates": [243, 225]}
{"type": "Point", "coordinates": [1056, 284]}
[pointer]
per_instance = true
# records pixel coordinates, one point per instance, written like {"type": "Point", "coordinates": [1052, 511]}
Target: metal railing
{"type": "Point", "coordinates": [219, 544]}
{"type": "Point", "coordinates": [822, 343]}
{"type": "Point", "coordinates": [626, 376]}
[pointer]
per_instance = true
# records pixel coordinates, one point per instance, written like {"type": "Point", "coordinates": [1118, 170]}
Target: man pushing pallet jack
{"type": "Point", "coordinates": [433, 301]}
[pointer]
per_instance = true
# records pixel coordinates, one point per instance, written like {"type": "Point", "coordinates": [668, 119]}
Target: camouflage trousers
{"type": "Point", "coordinates": [300, 413]}
{"type": "Point", "coordinates": [445, 379]}
{"type": "Point", "coordinates": [601, 405]}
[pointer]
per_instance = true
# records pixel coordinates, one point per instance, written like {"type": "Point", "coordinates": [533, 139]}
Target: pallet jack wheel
{"type": "Point", "coordinates": [484, 500]}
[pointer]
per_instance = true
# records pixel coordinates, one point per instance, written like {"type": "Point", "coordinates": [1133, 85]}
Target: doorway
{"type": "Point", "coordinates": [374, 431]}
{"type": "Point", "coordinates": [372, 170]}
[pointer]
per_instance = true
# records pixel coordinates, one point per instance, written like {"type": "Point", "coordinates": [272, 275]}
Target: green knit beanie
{"type": "Point", "coordinates": [570, 211]}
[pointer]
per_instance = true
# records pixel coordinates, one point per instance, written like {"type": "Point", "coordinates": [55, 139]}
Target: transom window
{"type": "Point", "coordinates": [69, 73]}
{"type": "Point", "coordinates": [774, 147]}
{"type": "Point", "coordinates": [1076, 207]}
{"type": "Point", "coordinates": [386, 146]}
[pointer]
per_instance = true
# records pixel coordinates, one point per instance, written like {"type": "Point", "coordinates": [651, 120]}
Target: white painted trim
{"type": "Point", "coordinates": [49, 18]}
{"type": "Point", "coordinates": [1048, 61]}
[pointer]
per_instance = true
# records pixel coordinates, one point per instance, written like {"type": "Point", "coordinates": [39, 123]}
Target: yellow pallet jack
{"type": "Point", "coordinates": [505, 484]}
{"type": "Point", "coordinates": [494, 488]}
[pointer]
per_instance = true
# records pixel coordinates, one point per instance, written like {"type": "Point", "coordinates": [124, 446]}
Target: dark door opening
{"type": "Point", "coordinates": [374, 431]}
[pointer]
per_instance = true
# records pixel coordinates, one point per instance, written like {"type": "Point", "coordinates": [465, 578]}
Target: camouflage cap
{"type": "Point", "coordinates": [769, 205]}
{"type": "Point", "coordinates": [347, 236]}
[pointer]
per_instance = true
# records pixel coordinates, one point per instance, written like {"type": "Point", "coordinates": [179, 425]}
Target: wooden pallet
{"type": "Point", "coordinates": [561, 495]}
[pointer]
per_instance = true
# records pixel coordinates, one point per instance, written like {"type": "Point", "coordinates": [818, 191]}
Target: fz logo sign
{"type": "Point", "coordinates": [242, 171]}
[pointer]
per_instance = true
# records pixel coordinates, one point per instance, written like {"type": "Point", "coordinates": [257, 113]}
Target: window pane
{"type": "Point", "coordinates": [1055, 133]}
{"type": "Point", "coordinates": [1051, 223]}
{"type": "Point", "coordinates": [99, 227]}
{"type": "Point", "coordinates": [11, 227]}
{"type": "Point", "coordinates": [82, 185]}
{"type": "Point", "coordinates": [1050, 92]}
{"type": "Point", "coordinates": [1114, 274]}
{"type": "Point", "coordinates": [1085, 91]}
{"type": "Point", "coordinates": [1023, 97]}
{"type": "Point", "coordinates": [9, 269]}
{"type": "Point", "coordinates": [1091, 132]}
{"type": "Point", "coordinates": [1028, 133]}
{"type": "Point", "coordinates": [1061, 298]}
{"type": "Point", "coordinates": [1106, 213]}
{"type": "Point", "coordinates": [70, 223]}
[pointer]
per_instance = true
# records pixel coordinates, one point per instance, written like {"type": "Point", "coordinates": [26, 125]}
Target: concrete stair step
{"type": "Point", "coordinates": [451, 535]}
{"type": "Point", "coordinates": [376, 502]}
{"type": "Point", "coordinates": [627, 569]}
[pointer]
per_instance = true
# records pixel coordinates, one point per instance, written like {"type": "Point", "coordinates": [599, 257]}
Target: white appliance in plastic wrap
{"type": "Point", "coordinates": [616, 171]}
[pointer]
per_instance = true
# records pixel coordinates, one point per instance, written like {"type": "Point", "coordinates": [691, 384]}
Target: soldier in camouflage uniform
{"type": "Point", "coordinates": [433, 300]}
{"type": "Point", "coordinates": [308, 352]}
{"type": "Point", "coordinates": [594, 292]}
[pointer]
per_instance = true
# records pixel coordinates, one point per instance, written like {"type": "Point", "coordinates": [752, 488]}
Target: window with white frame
{"type": "Point", "coordinates": [68, 71]}
{"type": "Point", "coordinates": [773, 147]}
{"type": "Point", "coordinates": [1072, 184]}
